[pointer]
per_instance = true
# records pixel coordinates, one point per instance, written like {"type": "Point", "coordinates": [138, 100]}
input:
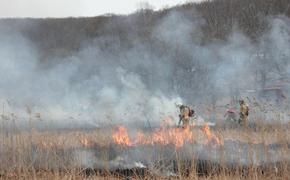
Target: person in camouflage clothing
{"type": "Point", "coordinates": [244, 113]}
{"type": "Point", "coordinates": [185, 116]}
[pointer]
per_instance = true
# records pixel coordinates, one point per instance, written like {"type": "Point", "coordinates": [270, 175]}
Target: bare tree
{"type": "Point", "coordinates": [144, 5]}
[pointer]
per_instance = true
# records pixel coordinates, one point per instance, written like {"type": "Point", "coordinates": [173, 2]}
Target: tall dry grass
{"type": "Point", "coordinates": [31, 154]}
{"type": "Point", "coordinates": [28, 153]}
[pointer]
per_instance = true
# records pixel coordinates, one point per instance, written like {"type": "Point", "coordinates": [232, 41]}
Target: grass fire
{"type": "Point", "coordinates": [163, 136]}
{"type": "Point", "coordinates": [199, 90]}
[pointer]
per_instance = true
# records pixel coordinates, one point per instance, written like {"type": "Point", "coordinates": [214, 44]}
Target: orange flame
{"type": "Point", "coordinates": [163, 135]}
{"type": "Point", "coordinates": [121, 136]}
{"type": "Point", "coordinates": [211, 138]}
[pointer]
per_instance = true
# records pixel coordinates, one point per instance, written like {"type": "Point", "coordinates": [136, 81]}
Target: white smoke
{"type": "Point", "coordinates": [107, 83]}
{"type": "Point", "coordinates": [64, 95]}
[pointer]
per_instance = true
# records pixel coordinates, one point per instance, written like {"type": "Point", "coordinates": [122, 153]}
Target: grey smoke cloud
{"type": "Point", "coordinates": [83, 89]}
{"type": "Point", "coordinates": [139, 85]}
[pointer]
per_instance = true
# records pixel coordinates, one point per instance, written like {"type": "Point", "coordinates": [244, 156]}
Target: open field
{"type": "Point", "coordinates": [69, 155]}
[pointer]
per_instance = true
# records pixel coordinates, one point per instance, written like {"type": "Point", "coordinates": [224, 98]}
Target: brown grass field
{"type": "Point", "coordinates": [46, 155]}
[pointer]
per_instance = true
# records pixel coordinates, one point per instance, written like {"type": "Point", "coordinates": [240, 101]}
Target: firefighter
{"type": "Point", "coordinates": [186, 113]}
{"type": "Point", "coordinates": [244, 113]}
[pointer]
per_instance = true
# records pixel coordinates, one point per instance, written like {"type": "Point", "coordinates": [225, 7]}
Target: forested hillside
{"type": "Point", "coordinates": [199, 52]}
{"type": "Point", "coordinates": [220, 17]}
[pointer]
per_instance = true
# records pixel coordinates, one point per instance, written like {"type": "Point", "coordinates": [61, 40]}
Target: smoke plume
{"type": "Point", "coordinates": [110, 82]}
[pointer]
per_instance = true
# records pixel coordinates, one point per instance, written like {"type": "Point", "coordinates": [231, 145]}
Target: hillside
{"type": "Point", "coordinates": [202, 53]}
{"type": "Point", "coordinates": [220, 17]}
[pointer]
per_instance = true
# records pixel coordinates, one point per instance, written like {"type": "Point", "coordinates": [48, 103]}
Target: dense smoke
{"type": "Point", "coordinates": [107, 82]}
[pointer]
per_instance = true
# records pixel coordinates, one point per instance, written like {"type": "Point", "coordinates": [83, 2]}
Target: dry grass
{"type": "Point", "coordinates": [46, 155]}
{"type": "Point", "coordinates": [38, 154]}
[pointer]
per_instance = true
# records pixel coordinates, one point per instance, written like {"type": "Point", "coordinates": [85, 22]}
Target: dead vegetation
{"type": "Point", "coordinates": [34, 154]}
{"type": "Point", "coordinates": [42, 155]}
{"type": "Point", "coordinates": [50, 154]}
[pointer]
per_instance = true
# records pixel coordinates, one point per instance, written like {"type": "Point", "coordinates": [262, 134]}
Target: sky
{"type": "Point", "coordinates": [76, 8]}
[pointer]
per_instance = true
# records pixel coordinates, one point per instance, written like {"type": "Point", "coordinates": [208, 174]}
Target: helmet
{"type": "Point", "coordinates": [242, 101]}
